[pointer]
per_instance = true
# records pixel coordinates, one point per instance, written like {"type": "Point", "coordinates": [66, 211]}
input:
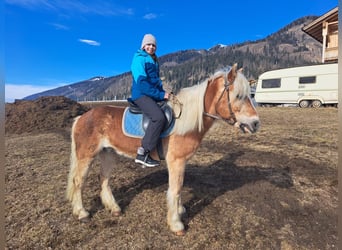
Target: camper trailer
{"type": "Point", "coordinates": [308, 86]}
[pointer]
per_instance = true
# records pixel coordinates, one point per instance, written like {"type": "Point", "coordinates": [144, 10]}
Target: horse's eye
{"type": "Point", "coordinates": [238, 96]}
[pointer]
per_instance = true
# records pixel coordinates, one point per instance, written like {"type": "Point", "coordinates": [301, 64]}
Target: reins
{"type": "Point", "coordinates": [173, 98]}
{"type": "Point", "coordinates": [232, 119]}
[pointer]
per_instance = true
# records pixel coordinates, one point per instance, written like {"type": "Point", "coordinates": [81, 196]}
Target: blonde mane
{"type": "Point", "coordinates": [241, 86]}
{"type": "Point", "coordinates": [191, 117]}
{"type": "Point", "coordinates": [192, 99]}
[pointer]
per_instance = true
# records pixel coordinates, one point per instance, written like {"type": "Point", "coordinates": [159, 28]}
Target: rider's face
{"type": "Point", "coordinates": [150, 48]}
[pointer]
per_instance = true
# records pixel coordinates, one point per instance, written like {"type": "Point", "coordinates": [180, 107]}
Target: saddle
{"type": "Point", "coordinates": [167, 110]}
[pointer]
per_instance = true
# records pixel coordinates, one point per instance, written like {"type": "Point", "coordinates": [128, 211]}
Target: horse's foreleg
{"type": "Point", "coordinates": [175, 207]}
{"type": "Point", "coordinates": [107, 198]}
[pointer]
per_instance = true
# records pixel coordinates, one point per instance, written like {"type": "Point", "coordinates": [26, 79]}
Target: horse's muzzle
{"type": "Point", "coordinates": [249, 127]}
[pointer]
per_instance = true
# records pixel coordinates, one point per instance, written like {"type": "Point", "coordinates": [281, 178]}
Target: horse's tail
{"type": "Point", "coordinates": [73, 164]}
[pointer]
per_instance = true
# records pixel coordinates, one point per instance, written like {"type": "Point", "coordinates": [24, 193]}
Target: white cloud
{"type": "Point", "coordinates": [98, 7]}
{"type": "Point", "coordinates": [14, 91]}
{"type": "Point", "coordinates": [59, 26]}
{"type": "Point", "coordinates": [150, 16]}
{"type": "Point", "coordinates": [90, 42]}
{"type": "Point", "coordinates": [32, 4]}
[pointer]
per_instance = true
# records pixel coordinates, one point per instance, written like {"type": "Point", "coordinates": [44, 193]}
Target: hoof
{"type": "Point", "coordinates": [84, 220]}
{"type": "Point", "coordinates": [83, 216]}
{"type": "Point", "coordinates": [116, 213]}
{"type": "Point", "coordinates": [180, 233]}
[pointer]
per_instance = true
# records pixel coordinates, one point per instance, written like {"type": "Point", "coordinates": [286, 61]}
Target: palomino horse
{"type": "Point", "coordinates": [224, 96]}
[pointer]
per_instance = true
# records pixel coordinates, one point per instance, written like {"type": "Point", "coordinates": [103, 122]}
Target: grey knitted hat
{"type": "Point", "coordinates": [148, 39]}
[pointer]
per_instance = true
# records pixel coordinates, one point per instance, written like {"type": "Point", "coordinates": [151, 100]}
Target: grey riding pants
{"type": "Point", "coordinates": [157, 122]}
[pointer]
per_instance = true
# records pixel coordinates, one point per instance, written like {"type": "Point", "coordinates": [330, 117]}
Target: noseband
{"type": "Point", "coordinates": [232, 118]}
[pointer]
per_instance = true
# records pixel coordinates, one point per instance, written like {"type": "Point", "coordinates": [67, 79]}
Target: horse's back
{"type": "Point", "coordinates": [101, 112]}
{"type": "Point", "coordinates": [100, 118]}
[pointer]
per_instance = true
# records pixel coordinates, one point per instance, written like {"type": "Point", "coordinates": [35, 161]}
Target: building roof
{"type": "Point", "coordinates": [314, 28]}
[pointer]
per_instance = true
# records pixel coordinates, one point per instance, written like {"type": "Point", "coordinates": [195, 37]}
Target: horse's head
{"type": "Point", "coordinates": [230, 100]}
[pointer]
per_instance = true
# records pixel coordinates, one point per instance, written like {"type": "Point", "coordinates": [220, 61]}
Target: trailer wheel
{"type": "Point", "coordinates": [316, 103]}
{"type": "Point", "coordinates": [304, 104]}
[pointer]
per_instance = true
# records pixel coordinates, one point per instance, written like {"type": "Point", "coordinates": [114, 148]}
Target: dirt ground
{"type": "Point", "coordinates": [276, 189]}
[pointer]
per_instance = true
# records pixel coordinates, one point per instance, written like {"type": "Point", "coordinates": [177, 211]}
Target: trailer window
{"type": "Point", "coordinates": [271, 83]}
{"type": "Point", "coordinates": [307, 79]}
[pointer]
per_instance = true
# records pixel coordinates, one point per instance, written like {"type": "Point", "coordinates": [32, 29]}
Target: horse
{"type": "Point", "coordinates": [225, 95]}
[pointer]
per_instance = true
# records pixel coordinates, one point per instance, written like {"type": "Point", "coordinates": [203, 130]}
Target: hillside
{"type": "Point", "coordinates": [288, 47]}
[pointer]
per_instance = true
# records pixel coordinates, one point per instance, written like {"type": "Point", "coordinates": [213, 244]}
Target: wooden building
{"type": "Point", "coordinates": [325, 30]}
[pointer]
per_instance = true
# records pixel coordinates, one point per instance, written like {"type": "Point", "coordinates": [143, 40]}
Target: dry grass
{"type": "Point", "coordinates": [276, 189]}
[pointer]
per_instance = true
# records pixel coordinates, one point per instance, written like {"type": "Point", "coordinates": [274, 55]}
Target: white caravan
{"type": "Point", "coordinates": [308, 86]}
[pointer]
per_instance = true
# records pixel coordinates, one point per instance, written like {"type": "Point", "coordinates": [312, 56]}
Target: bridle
{"type": "Point", "coordinates": [232, 118]}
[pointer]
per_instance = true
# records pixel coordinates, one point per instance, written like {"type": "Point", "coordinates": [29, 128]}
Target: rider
{"type": "Point", "coordinates": [147, 90]}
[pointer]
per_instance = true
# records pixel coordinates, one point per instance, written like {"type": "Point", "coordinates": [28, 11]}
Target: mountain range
{"type": "Point", "coordinates": [288, 47]}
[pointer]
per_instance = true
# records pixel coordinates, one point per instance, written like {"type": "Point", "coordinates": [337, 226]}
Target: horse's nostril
{"type": "Point", "coordinates": [256, 125]}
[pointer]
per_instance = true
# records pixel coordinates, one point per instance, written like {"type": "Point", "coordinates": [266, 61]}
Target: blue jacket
{"type": "Point", "coordinates": [146, 81]}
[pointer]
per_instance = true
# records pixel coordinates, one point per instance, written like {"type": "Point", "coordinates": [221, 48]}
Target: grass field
{"type": "Point", "coordinates": [276, 189]}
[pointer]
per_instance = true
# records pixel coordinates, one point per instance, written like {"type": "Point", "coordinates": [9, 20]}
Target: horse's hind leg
{"type": "Point", "coordinates": [107, 198]}
{"type": "Point", "coordinates": [78, 173]}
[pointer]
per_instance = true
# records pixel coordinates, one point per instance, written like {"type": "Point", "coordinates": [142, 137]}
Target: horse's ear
{"type": "Point", "coordinates": [232, 73]}
{"type": "Point", "coordinates": [240, 70]}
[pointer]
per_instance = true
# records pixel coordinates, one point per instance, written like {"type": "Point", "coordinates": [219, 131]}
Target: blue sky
{"type": "Point", "coordinates": [51, 43]}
